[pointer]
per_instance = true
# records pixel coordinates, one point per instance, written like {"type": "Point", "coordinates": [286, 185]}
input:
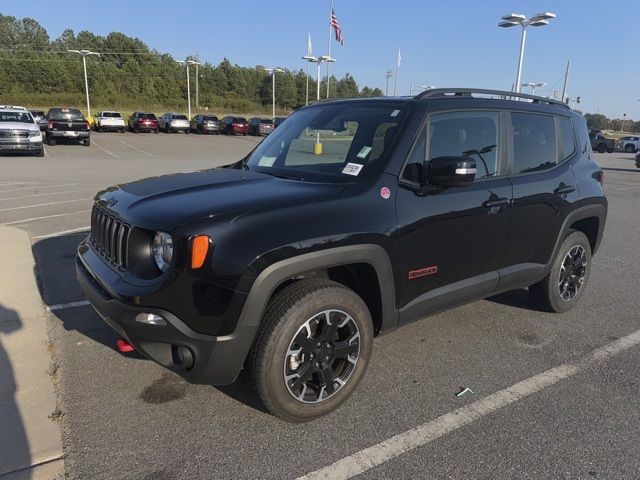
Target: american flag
{"type": "Point", "coordinates": [336, 25]}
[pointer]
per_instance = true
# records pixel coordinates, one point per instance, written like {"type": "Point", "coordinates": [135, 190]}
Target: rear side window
{"type": "Point", "coordinates": [534, 142]}
{"type": "Point", "coordinates": [469, 134]}
{"type": "Point", "coordinates": [567, 138]}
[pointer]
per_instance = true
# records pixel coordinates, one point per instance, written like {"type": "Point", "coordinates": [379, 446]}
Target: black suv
{"type": "Point", "coordinates": [354, 217]}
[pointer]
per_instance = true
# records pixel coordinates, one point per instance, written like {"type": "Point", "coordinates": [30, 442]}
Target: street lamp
{"type": "Point", "coordinates": [187, 63]}
{"type": "Point", "coordinates": [272, 72]}
{"type": "Point", "coordinates": [513, 19]}
{"type": "Point", "coordinates": [534, 85]}
{"type": "Point", "coordinates": [85, 54]}
{"type": "Point", "coordinates": [317, 147]}
{"type": "Point", "coordinates": [318, 61]}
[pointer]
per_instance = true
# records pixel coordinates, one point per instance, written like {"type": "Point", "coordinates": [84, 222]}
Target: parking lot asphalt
{"type": "Point", "coordinates": [126, 417]}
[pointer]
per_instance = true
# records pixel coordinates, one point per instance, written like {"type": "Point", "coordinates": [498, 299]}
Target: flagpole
{"type": "Point", "coordinates": [395, 82]}
{"type": "Point", "coordinates": [329, 47]}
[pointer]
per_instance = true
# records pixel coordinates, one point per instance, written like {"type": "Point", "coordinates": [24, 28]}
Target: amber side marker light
{"type": "Point", "coordinates": [199, 250]}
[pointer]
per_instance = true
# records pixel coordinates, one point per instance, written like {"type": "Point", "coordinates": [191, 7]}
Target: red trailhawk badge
{"type": "Point", "coordinates": [423, 272]}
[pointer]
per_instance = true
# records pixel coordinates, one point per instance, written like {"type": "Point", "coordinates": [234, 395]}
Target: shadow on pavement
{"type": "Point", "coordinates": [515, 298]}
{"type": "Point", "coordinates": [15, 453]}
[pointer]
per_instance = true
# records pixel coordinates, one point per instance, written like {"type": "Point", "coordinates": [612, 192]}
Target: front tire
{"type": "Point", "coordinates": [629, 148]}
{"type": "Point", "coordinates": [602, 148]}
{"type": "Point", "coordinates": [560, 290]}
{"type": "Point", "coordinates": [312, 349]}
{"type": "Point", "coordinates": [87, 142]}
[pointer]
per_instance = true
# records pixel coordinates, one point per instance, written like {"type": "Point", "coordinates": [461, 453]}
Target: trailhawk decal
{"type": "Point", "coordinates": [423, 272]}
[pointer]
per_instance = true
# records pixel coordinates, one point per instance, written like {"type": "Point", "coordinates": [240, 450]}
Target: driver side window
{"type": "Point", "coordinates": [472, 134]}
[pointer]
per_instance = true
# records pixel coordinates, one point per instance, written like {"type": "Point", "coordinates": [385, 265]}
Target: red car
{"type": "Point", "coordinates": [143, 122]}
{"type": "Point", "coordinates": [234, 126]}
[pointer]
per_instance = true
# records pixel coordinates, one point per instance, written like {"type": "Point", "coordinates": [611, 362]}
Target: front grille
{"type": "Point", "coordinates": [14, 133]}
{"type": "Point", "coordinates": [110, 237]}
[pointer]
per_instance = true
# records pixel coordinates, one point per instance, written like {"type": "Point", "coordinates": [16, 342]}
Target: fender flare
{"type": "Point", "coordinates": [274, 275]}
{"type": "Point", "coordinates": [598, 210]}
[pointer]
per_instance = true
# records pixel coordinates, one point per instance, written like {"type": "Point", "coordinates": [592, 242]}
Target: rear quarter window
{"type": "Point", "coordinates": [567, 138]}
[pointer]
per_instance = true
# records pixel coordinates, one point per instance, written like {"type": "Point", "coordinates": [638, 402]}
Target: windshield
{"type": "Point", "coordinates": [337, 143]}
{"type": "Point", "coordinates": [111, 114]}
{"type": "Point", "coordinates": [20, 117]}
{"type": "Point", "coordinates": [65, 114]}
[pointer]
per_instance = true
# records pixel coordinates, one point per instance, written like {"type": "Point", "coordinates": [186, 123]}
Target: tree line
{"type": "Point", "coordinates": [38, 71]}
{"type": "Point", "coordinates": [597, 121]}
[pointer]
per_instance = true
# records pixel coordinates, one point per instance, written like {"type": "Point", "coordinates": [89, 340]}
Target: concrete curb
{"type": "Point", "coordinates": [30, 441]}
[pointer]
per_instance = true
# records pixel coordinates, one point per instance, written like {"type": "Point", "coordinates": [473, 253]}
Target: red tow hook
{"type": "Point", "coordinates": [124, 346]}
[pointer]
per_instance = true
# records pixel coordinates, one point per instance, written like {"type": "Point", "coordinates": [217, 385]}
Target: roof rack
{"type": "Point", "coordinates": [467, 92]}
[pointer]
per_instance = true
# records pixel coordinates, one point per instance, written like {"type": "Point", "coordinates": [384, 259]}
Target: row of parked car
{"type": "Point", "coordinates": [600, 143]}
{"type": "Point", "coordinates": [170, 122]}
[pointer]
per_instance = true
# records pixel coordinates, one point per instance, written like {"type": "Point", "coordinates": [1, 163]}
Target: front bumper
{"type": "Point", "coordinates": [216, 359]}
{"type": "Point", "coordinates": [27, 147]}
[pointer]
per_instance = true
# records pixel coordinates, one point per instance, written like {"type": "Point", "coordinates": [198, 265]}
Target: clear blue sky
{"type": "Point", "coordinates": [443, 43]}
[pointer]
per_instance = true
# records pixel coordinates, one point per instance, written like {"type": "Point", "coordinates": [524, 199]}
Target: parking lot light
{"type": "Point", "coordinates": [272, 72]}
{"type": "Point", "coordinates": [188, 63]}
{"type": "Point", "coordinates": [513, 19]}
{"type": "Point", "coordinates": [85, 54]}
{"type": "Point", "coordinates": [534, 85]}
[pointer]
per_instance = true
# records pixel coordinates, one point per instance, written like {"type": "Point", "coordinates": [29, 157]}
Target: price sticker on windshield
{"type": "Point", "coordinates": [352, 169]}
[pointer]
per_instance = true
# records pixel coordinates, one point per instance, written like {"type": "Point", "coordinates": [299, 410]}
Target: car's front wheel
{"type": "Point", "coordinates": [629, 148]}
{"type": "Point", "coordinates": [312, 349]}
{"type": "Point", "coordinates": [562, 288]}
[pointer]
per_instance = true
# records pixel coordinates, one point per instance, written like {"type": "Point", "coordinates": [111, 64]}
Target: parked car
{"type": "Point", "coordinates": [174, 122]}
{"type": "Point", "coordinates": [109, 121]}
{"type": "Point", "coordinates": [205, 124]}
{"type": "Point", "coordinates": [638, 160]}
{"type": "Point", "coordinates": [260, 126]}
{"type": "Point", "coordinates": [628, 144]}
{"type": "Point", "coordinates": [234, 125]}
{"type": "Point", "coordinates": [19, 132]}
{"type": "Point", "coordinates": [143, 122]}
{"type": "Point", "coordinates": [288, 263]}
{"type": "Point", "coordinates": [67, 124]}
{"type": "Point", "coordinates": [40, 118]}
{"type": "Point", "coordinates": [600, 143]}
{"type": "Point", "coordinates": [278, 120]}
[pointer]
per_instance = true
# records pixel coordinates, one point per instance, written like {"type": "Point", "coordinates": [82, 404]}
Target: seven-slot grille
{"type": "Point", "coordinates": [109, 237]}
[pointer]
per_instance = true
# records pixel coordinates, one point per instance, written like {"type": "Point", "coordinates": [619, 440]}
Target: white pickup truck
{"type": "Point", "coordinates": [109, 121]}
{"type": "Point", "coordinates": [628, 144]}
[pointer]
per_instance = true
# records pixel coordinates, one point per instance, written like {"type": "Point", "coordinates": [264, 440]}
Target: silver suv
{"type": "Point", "coordinates": [19, 132]}
{"type": "Point", "coordinates": [174, 122]}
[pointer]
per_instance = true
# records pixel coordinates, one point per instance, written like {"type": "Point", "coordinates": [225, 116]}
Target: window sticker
{"type": "Point", "coordinates": [395, 113]}
{"type": "Point", "coordinates": [364, 152]}
{"type": "Point", "coordinates": [352, 169]}
{"type": "Point", "coordinates": [267, 161]}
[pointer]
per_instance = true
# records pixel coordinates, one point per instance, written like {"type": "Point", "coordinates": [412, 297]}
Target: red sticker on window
{"type": "Point", "coordinates": [385, 192]}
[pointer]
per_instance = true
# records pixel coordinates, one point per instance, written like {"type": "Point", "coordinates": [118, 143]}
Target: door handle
{"type": "Point", "coordinates": [564, 189]}
{"type": "Point", "coordinates": [500, 202]}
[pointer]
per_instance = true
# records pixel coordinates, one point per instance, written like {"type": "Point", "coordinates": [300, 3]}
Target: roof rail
{"type": "Point", "coordinates": [441, 92]}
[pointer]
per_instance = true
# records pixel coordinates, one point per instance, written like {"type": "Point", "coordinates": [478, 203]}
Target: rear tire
{"type": "Point", "coordinates": [156, 131]}
{"type": "Point", "coordinates": [609, 150]}
{"type": "Point", "coordinates": [561, 289]}
{"type": "Point", "coordinates": [629, 148]}
{"type": "Point", "coordinates": [87, 142]}
{"type": "Point", "coordinates": [51, 141]}
{"type": "Point", "coordinates": [96, 127]}
{"type": "Point", "coordinates": [601, 148]}
{"type": "Point", "coordinates": [332, 327]}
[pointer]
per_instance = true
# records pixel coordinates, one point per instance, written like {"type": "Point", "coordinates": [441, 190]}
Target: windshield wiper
{"type": "Point", "coordinates": [282, 175]}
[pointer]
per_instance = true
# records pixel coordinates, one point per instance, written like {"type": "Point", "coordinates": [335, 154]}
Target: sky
{"type": "Point", "coordinates": [454, 43]}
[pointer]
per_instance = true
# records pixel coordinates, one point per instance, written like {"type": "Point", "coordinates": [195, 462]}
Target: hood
{"type": "Point", "coordinates": [18, 126]}
{"type": "Point", "coordinates": [166, 202]}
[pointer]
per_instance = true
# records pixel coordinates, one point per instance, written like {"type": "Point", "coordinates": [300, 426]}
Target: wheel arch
{"type": "Point", "coordinates": [589, 219]}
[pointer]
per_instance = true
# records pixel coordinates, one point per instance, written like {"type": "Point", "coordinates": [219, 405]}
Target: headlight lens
{"type": "Point", "coordinates": [34, 133]}
{"type": "Point", "coordinates": [162, 250]}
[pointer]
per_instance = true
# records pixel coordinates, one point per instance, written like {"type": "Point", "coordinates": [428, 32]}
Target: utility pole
{"type": "Point", "coordinates": [566, 80]}
{"type": "Point", "coordinates": [197, 81]}
{"type": "Point", "coordinates": [387, 74]}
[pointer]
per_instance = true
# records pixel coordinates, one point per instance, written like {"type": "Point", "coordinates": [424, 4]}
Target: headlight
{"type": "Point", "coordinates": [34, 133]}
{"type": "Point", "coordinates": [162, 250]}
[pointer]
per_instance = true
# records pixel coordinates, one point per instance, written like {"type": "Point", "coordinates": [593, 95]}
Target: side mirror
{"type": "Point", "coordinates": [451, 171]}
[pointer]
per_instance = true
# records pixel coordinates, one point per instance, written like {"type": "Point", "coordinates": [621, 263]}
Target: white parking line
{"type": "Point", "coordinates": [39, 187]}
{"type": "Point", "coordinates": [18, 183]}
{"type": "Point", "coordinates": [63, 232]}
{"type": "Point", "coordinates": [46, 152]}
{"type": "Point", "coordinates": [105, 150]}
{"type": "Point", "coordinates": [138, 149]}
{"type": "Point", "coordinates": [32, 219]}
{"type": "Point", "coordinates": [62, 306]}
{"type": "Point", "coordinates": [44, 204]}
{"type": "Point", "coordinates": [47, 194]}
{"type": "Point", "coordinates": [404, 442]}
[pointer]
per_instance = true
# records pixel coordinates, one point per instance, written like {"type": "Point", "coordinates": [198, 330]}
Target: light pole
{"type": "Point", "coordinates": [85, 54]}
{"type": "Point", "coordinates": [624, 119]}
{"type": "Point", "coordinates": [534, 85]}
{"type": "Point", "coordinates": [187, 63]}
{"type": "Point", "coordinates": [317, 147]}
{"type": "Point", "coordinates": [513, 19]}
{"type": "Point", "coordinates": [272, 72]}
